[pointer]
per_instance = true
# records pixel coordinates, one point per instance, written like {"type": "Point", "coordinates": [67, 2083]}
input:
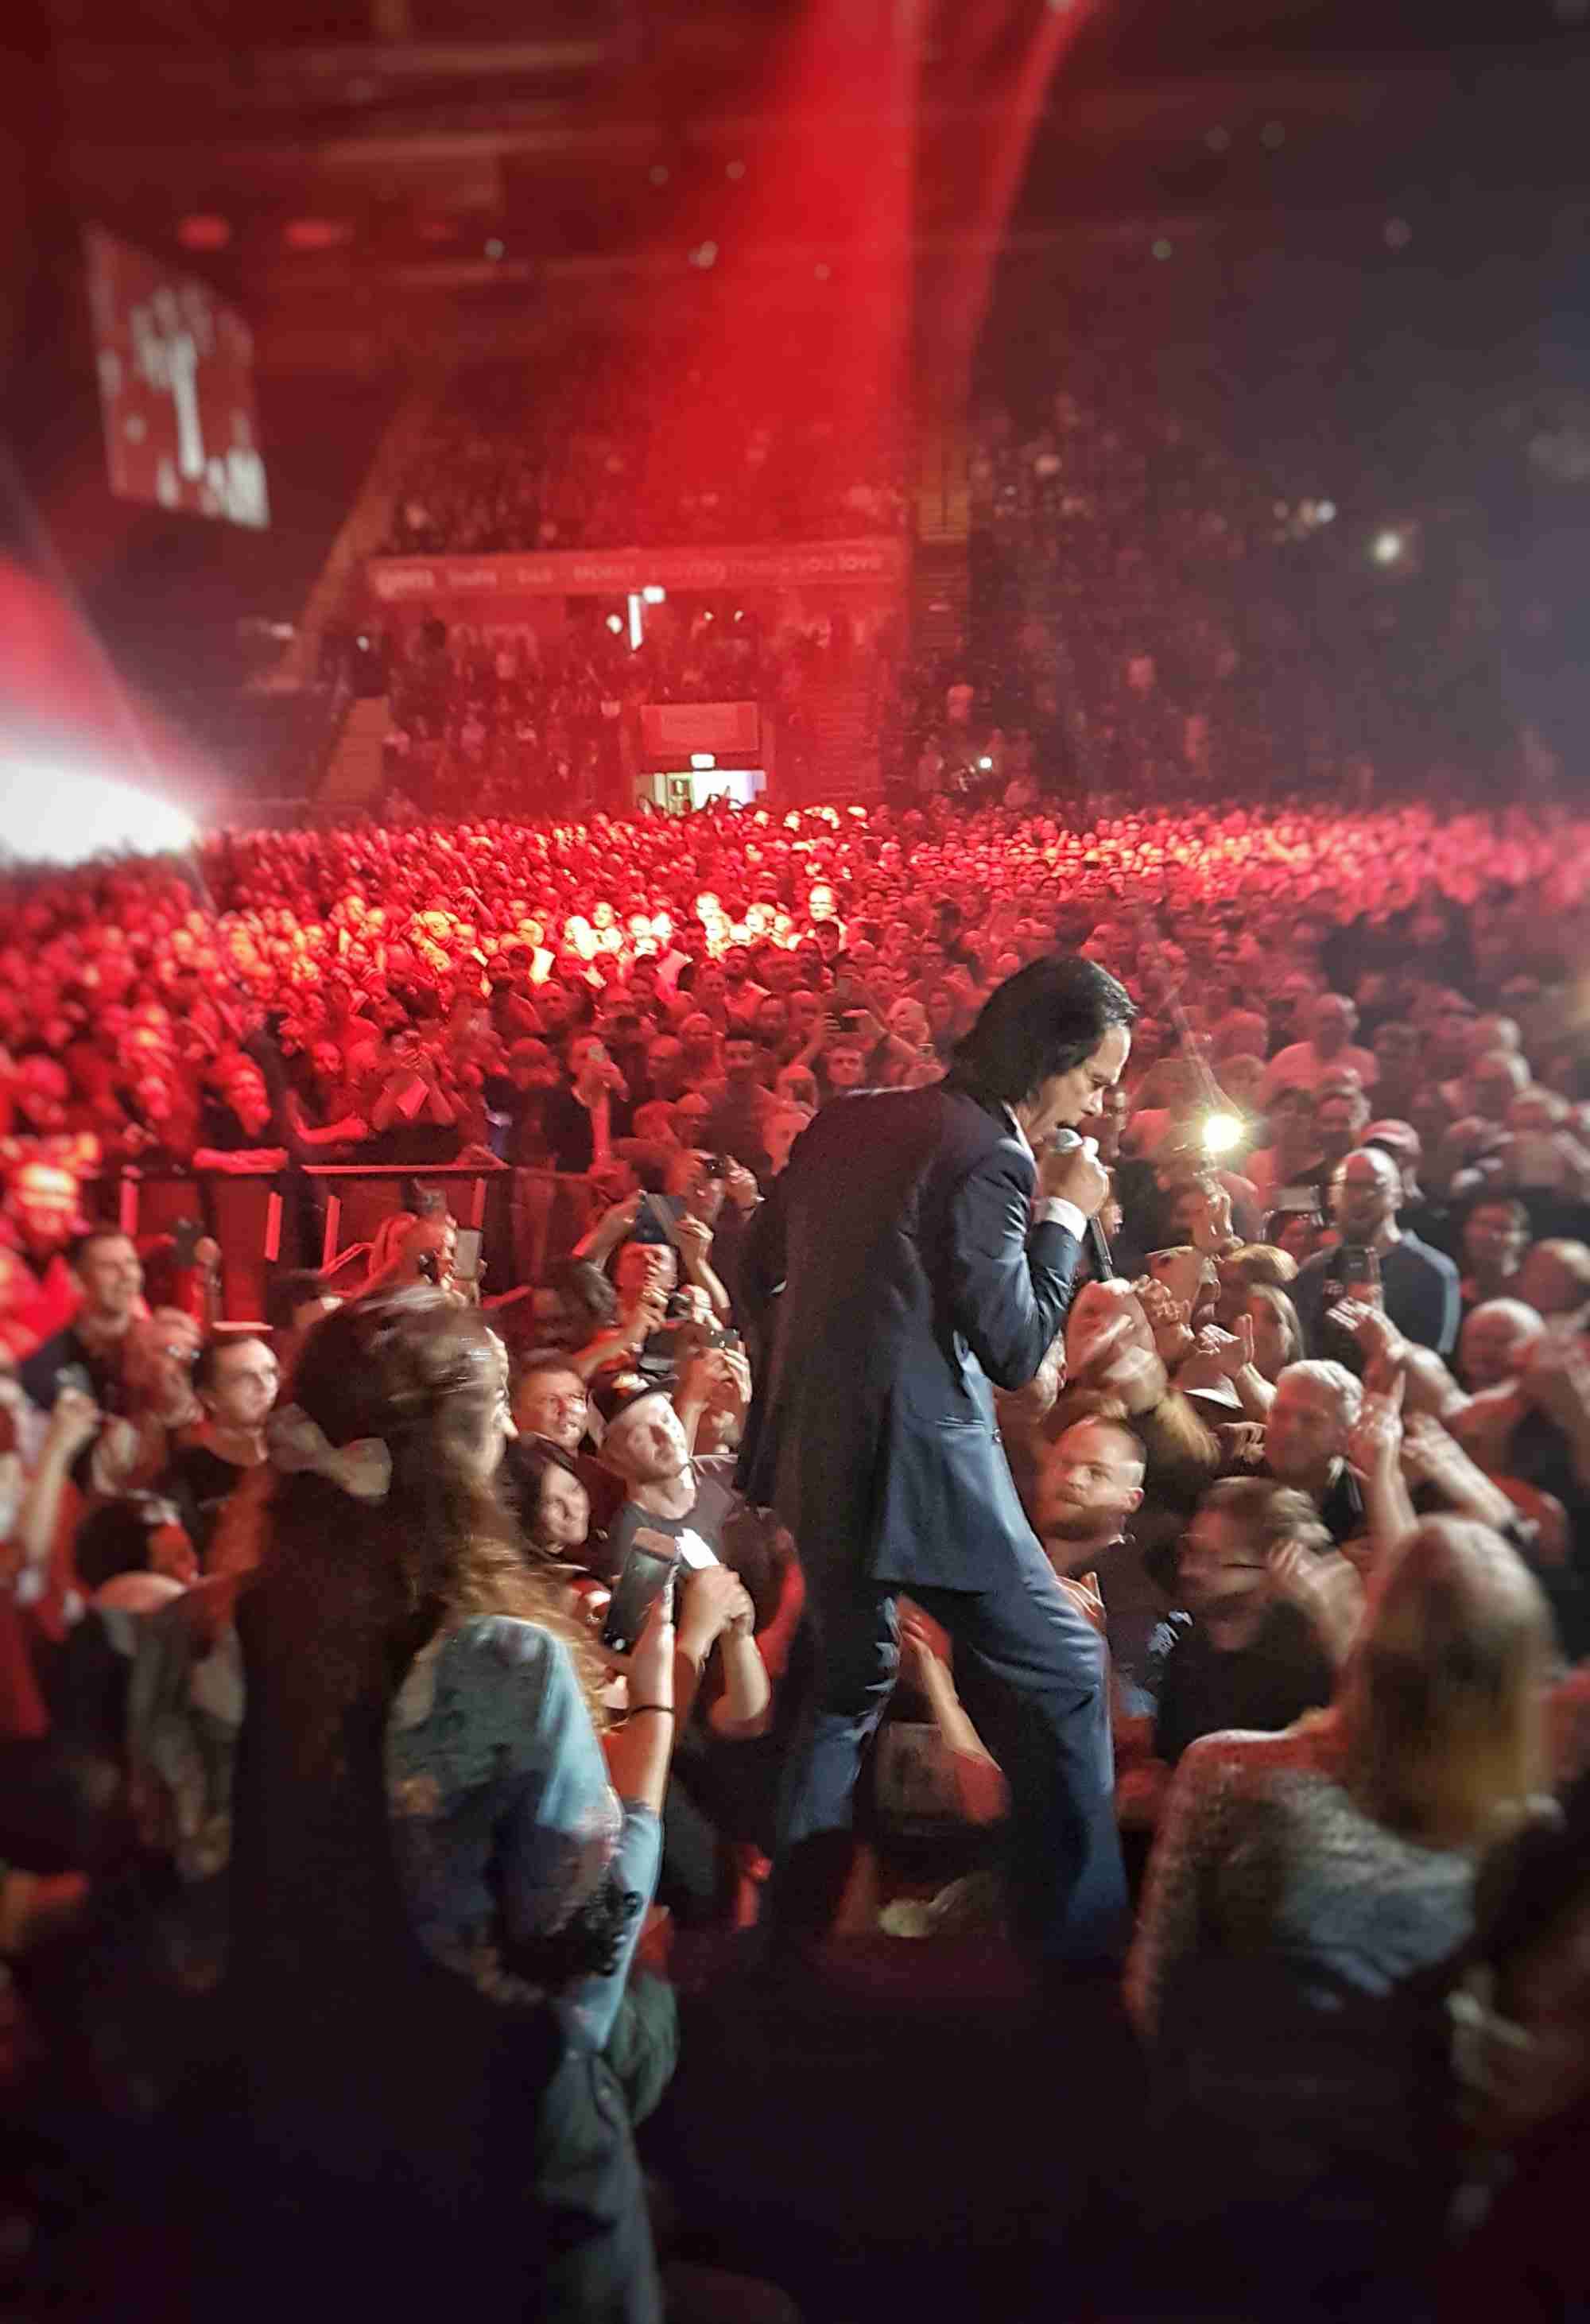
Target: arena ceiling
{"type": "Point", "coordinates": [352, 158]}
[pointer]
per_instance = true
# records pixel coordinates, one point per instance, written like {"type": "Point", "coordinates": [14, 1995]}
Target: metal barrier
{"type": "Point", "coordinates": [322, 1213]}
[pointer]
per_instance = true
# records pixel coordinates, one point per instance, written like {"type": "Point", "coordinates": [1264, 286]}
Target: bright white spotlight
{"type": "Point", "coordinates": [1388, 547]}
{"type": "Point", "coordinates": [1222, 1133]}
{"type": "Point", "coordinates": [54, 814]}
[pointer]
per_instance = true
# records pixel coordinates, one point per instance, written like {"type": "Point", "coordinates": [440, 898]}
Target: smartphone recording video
{"type": "Point", "coordinates": [645, 1573]}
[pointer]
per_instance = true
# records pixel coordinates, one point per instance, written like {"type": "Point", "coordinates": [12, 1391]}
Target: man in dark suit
{"type": "Point", "coordinates": [918, 1252]}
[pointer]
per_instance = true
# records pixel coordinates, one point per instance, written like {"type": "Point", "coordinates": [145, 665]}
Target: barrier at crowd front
{"type": "Point", "coordinates": [324, 1215]}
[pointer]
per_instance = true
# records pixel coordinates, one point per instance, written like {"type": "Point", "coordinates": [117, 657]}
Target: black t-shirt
{"type": "Point", "coordinates": [1263, 1687]}
{"type": "Point", "coordinates": [40, 1373]}
{"type": "Point", "coordinates": [200, 1483]}
{"type": "Point", "coordinates": [715, 1503]}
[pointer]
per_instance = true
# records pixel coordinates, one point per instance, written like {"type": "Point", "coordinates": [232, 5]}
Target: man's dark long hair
{"type": "Point", "coordinates": [1047, 1018]}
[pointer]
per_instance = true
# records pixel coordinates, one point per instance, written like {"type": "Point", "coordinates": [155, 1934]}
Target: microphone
{"type": "Point", "coordinates": [1066, 1141]}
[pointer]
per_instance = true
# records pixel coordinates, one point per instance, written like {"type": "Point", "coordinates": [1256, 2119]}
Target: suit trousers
{"type": "Point", "coordinates": [1022, 1645]}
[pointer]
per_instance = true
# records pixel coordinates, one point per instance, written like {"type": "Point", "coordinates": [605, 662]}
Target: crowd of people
{"type": "Point", "coordinates": [390, 991]}
{"type": "Point", "coordinates": [314, 1618]}
{"type": "Point", "coordinates": [496, 720]}
{"type": "Point", "coordinates": [1185, 570]}
{"type": "Point", "coordinates": [1197, 554]}
{"type": "Point", "coordinates": [611, 438]}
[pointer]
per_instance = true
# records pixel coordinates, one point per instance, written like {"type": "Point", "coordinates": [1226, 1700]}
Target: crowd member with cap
{"type": "Point", "coordinates": [673, 1508]}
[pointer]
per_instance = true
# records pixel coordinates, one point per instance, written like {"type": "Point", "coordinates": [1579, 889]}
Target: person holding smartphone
{"type": "Point", "coordinates": [1419, 1288]}
{"type": "Point", "coordinates": [666, 1537]}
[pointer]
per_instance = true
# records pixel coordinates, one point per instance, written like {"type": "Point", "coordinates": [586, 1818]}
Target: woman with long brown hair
{"type": "Point", "coordinates": [437, 1889]}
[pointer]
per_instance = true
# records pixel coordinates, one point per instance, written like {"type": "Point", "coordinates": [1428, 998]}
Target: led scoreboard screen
{"type": "Point", "coordinates": [176, 387]}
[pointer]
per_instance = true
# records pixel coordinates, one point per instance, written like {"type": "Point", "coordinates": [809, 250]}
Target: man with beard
{"type": "Point", "coordinates": [1087, 1487]}
{"type": "Point", "coordinates": [1419, 1287]}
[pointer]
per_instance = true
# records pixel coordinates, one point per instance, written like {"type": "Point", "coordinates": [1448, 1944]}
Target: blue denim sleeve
{"type": "Point", "coordinates": [563, 1820]}
{"type": "Point", "coordinates": [592, 2004]}
{"type": "Point", "coordinates": [504, 1820]}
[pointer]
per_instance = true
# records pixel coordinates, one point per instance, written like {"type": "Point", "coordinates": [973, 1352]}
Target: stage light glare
{"type": "Point", "coordinates": [1325, 512]}
{"type": "Point", "coordinates": [1222, 1133]}
{"type": "Point", "coordinates": [1388, 547]}
{"type": "Point", "coordinates": [986, 765]}
{"type": "Point", "coordinates": [51, 815]}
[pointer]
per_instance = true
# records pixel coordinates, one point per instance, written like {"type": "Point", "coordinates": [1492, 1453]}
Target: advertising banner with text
{"type": "Point", "coordinates": [731, 731]}
{"type": "Point", "coordinates": [875, 562]}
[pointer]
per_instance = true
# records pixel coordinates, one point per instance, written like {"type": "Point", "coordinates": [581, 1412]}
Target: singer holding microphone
{"type": "Point", "coordinates": [919, 1251]}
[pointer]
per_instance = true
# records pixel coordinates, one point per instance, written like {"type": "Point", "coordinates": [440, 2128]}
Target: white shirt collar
{"type": "Point", "coordinates": [1020, 1135]}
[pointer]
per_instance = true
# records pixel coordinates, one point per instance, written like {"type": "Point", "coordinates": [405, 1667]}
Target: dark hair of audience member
{"type": "Point", "coordinates": [364, 1585]}
{"type": "Point", "coordinates": [533, 1463]}
{"type": "Point", "coordinates": [587, 1292]}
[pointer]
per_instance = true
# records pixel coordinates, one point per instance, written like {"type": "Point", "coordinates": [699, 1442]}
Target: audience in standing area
{"type": "Point", "coordinates": [308, 1720]}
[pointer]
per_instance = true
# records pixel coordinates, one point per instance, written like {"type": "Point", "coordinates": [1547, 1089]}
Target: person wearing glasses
{"type": "Point", "coordinates": [1249, 1569]}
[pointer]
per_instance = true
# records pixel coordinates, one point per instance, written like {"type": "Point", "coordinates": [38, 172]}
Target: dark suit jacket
{"type": "Point", "coordinates": [565, 1124]}
{"type": "Point", "coordinates": [913, 1285]}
